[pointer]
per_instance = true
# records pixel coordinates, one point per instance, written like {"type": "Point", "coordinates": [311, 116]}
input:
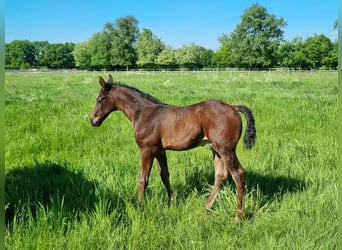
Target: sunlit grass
{"type": "Point", "coordinates": [72, 186]}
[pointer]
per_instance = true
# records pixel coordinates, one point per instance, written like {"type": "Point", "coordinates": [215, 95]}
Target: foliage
{"type": "Point", "coordinates": [331, 60]}
{"type": "Point", "coordinates": [291, 54]}
{"type": "Point", "coordinates": [315, 52]}
{"type": "Point", "coordinates": [60, 56]}
{"type": "Point", "coordinates": [72, 186]}
{"type": "Point", "coordinates": [82, 55]}
{"type": "Point", "coordinates": [148, 47]}
{"type": "Point", "coordinates": [336, 24]}
{"type": "Point", "coordinates": [193, 56]}
{"type": "Point", "coordinates": [111, 48]}
{"type": "Point", "coordinates": [41, 53]}
{"type": "Point", "coordinates": [122, 35]}
{"type": "Point", "coordinates": [256, 42]}
{"type": "Point", "coordinates": [26, 54]}
{"type": "Point", "coordinates": [224, 56]}
{"type": "Point", "coordinates": [317, 48]}
{"type": "Point", "coordinates": [167, 58]}
{"type": "Point", "coordinates": [98, 47]}
{"type": "Point", "coordinates": [19, 54]}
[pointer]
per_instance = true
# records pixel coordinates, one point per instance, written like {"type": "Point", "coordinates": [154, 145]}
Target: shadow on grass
{"type": "Point", "coordinates": [271, 187]}
{"type": "Point", "coordinates": [54, 187]}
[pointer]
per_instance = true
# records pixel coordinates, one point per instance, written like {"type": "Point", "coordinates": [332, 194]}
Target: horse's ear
{"type": "Point", "coordinates": [110, 79]}
{"type": "Point", "coordinates": [102, 82]}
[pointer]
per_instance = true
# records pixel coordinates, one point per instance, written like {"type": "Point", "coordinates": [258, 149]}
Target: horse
{"type": "Point", "coordinates": [159, 127]}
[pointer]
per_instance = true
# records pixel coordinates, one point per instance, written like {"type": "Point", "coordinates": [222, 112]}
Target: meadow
{"type": "Point", "coordinates": [72, 186]}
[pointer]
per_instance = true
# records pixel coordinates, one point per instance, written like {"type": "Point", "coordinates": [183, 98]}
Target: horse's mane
{"type": "Point", "coordinates": [141, 93]}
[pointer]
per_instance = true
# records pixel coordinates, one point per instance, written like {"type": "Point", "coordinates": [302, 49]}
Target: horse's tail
{"type": "Point", "coordinates": [250, 134]}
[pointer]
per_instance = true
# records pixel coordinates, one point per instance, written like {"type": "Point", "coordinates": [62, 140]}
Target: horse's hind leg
{"type": "Point", "coordinates": [223, 164]}
{"type": "Point", "coordinates": [221, 174]}
{"type": "Point", "coordinates": [238, 175]}
{"type": "Point", "coordinates": [164, 174]}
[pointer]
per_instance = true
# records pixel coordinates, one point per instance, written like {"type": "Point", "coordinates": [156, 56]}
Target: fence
{"type": "Point", "coordinates": [181, 70]}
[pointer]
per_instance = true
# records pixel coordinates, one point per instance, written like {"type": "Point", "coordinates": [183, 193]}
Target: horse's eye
{"type": "Point", "coordinates": [100, 99]}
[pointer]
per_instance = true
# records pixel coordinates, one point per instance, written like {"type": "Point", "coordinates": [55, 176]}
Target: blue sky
{"type": "Point", "coordinates": [176, 22]}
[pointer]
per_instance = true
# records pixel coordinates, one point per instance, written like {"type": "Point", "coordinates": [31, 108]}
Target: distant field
{"type": "Point", "coordinates": [72, 186]}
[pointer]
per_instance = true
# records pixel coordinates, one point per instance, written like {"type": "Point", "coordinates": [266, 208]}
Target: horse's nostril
{"type": "Point", "coordinates": [94, 123]}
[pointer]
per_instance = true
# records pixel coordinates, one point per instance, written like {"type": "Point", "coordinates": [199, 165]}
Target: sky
{"type": "Point", "coordinates": [175, 22]}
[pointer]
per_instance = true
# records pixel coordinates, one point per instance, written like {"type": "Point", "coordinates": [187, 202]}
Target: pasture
{"type": "Point", "coordinates": [72, 186]}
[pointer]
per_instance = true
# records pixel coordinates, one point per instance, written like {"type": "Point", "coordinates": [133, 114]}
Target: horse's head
{"type": "Point", "coordinates": [104, 103]}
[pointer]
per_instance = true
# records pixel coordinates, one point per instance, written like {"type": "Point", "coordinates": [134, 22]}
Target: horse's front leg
{"type": "Point", "coordinates": [145, 169]}
{"type": "Point", "coordinates": [164, 174]}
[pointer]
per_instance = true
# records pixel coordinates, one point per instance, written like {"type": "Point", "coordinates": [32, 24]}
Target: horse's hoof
{"type": "Point", "coordinates": [238, 217]}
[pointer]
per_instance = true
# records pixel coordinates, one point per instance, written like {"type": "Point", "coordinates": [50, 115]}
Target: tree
{"type": "Point", "coordinates": [20, 54]}
{"type": "Point", "coordinates": [99, 49]}
{"type": "Point", "coordinates": [8, 56]}
{"type": "Point", "coordinates": [256, 39]}
{"type": "Point", "coordinates": [148, 47]}
{"type": "Point", "coordinates": [82, 55]}
{"type": "Point", "coordinates": [315, 52]}
{"type": "Point", "coordinates": [317, 48]}
{"type": "Point", "coordinates": [60, 56]}
{"type": "Point", "coordinates": [223, 57]}
{"type": "Point", "coordinates": [193, 56]}
{"type": "Point", "coordinates": [122, 34]}
{"type": "Point", "coordinates": [111, 48]}
{"type": "Point", "coordinates": [336, 24]}
{"type": "Point", "coordinates": [41, 49]}
{"type": "Point", "coordinates": [206, 57]}
{"type": "Point", "coordinates": [167, 59]}
{"type": "Point", "coordinates": [26, 54]}
{"type": "Point", "coordinates": [290, 54]}
{"type": "Point", "coordinates": [331, 61]}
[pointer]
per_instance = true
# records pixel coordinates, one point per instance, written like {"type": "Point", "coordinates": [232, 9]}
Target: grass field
{"type": "Point", "coordinates": [72, 186]}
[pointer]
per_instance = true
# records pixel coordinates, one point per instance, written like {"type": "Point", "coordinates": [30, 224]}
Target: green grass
{"type": "Point", "coordinates": [72, 186]}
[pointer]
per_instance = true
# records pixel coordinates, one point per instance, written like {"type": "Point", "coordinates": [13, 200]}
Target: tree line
{"type": "Point", "coordinates": [256, 42]}
{"type": "Point", "coordinates": [39, 54]}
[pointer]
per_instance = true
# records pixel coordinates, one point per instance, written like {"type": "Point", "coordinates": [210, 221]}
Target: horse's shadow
{"type": "Point", "coordinates": [274, 186]}
{"type": "Point", "coordinates": [55, 187]}
{"type": "Point", "coordinates": [271, 187]}
{"type": "Point", "coordinates": [61, 189]}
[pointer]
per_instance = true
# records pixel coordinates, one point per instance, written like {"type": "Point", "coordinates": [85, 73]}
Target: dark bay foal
{"type": "Point", "coordinates": [159, 127]}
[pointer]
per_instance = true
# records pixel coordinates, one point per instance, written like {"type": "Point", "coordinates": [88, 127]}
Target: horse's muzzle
{"type": "Point", "coordinates": [95, 123]}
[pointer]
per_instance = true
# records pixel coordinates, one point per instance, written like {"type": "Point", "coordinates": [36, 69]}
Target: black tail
{"type": "Point", "coordinates": [250, 134]}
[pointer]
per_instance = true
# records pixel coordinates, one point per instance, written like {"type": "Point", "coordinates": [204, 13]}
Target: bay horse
{"type": "Point", "coordinates": [159, 127]}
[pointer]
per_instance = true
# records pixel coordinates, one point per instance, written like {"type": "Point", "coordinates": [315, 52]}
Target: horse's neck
{"type": "Point", "coordinates": [129, 102]}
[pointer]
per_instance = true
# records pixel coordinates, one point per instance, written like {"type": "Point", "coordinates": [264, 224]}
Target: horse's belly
{"type": "Point", "coordinates": [184, 141]}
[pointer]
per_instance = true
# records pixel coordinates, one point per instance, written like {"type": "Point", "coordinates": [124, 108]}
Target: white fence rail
{"type": "Point", "coordinates": [178, 70]}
